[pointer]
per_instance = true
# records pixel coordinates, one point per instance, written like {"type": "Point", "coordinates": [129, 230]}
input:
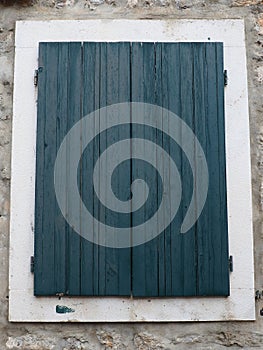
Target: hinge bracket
{"type": "Point", "coordinates": [36, 77]}
{"type": "Point", "coordinates": [258, 294]}
{"type": "Point", "coordinates": [32, 264]}
{"type": "Point", "coordinates": [225, 78]}
{"type": "Point", "coordinates": [230, 263]}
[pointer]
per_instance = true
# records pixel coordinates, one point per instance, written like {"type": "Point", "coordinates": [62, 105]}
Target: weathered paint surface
{"type": "Point", "coordinates": [184, 78]}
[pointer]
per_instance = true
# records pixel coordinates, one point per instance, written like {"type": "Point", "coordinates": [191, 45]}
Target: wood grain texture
{"type": "Point", "coordinates": [185, 78]}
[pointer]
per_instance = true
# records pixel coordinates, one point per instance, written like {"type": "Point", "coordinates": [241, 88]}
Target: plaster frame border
{"type": "Point", "coordinates": [23, 306]}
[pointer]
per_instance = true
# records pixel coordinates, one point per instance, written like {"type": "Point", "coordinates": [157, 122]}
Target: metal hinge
{"type": "Point", "coordinates": [225, 78]}
{"type": "Point", "coordinates": [258, 294]}
{"type": "Point", "coordinates": [230, 263]}
{"type": "Point", "coordinates": [36, 77]}
{"type": "Point", "coordinates": [32, 264]}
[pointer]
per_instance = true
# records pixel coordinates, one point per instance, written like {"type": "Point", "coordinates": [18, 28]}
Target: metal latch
{"type": "Point", "coordinates": [230, 263]}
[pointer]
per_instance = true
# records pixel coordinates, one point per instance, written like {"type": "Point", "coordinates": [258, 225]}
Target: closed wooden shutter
{"type": "Point", "coordinates": [76, 79]}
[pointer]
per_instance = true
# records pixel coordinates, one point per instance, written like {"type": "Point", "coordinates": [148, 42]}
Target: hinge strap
{"type": "Point", "coordinates": [225, 78]}
{"type": "Point", "coordinates": [36, 77]}
{"type": "Point", "coordinates": [230, 263]}
{"type": "Point", "coordinates": [32, 264]}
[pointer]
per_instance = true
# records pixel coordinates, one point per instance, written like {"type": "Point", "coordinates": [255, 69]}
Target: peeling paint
{"type": "Point", "coordinates": [61, 309]}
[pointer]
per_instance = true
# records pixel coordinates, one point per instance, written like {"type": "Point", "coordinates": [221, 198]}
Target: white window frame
{"type": "Point", "coordinates": [23, 305]}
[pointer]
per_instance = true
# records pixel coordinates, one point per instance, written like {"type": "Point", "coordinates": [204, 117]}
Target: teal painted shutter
{"type": "Point", "coordinates": [76, 79]}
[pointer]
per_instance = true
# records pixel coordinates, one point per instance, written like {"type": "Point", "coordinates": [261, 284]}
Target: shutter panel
{"type": "Point", "coordinates": [73, 81]}
{"type": "Point", "coordinates": [57, 250]}
{"type": "Point", "coordinates": [76, 79]}
{"type": "Point", "coordinates": [186, 79]}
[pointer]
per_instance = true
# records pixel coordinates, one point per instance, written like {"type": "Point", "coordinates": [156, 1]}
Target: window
{"type": "Point", "coordinates": [156, 87]}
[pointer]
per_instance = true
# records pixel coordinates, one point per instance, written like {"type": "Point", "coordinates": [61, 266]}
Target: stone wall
{"type": "Point", "coordinates": [247, 335]}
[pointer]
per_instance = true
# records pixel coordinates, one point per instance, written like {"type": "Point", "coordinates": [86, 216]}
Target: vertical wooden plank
{"type": "Point", "coordinates": [218, 250]}
{"type": "Point", "coordinates": [124, 95]}
{"type": "Point", "coordinates": [145, 256]}
{"type": "Point", "coordinates": [117, 268]}
{"type": "Point", "coordinates": [60, 91]}
{"type": "Point", "coordinates": [187, 111]}
{"type": "Point", "coordinates": [138, 253]}
{"type": "Point", "coordinates": [74, 76]}
{"type": "Point", "coordinates": [96, 148]}
{"type": "Point", "coordinates": [111, 95]}
{"type": "Point", "coordinates": [106, 71]}
{"type": "Point", "coordinates": [89, 269]}
{"type": "Point", "coordinates": [173, 76]}
{"type": "Point", "coordinates": [39, 186]}
{"type": "Point", "coordinates": [167, 91]}
{"type": "Point", "coordinates": [102, 145]}
{"type": "Point", "coordinates": [200, 115]}
{"type": "Point", "coordinates": [207, 280]}
{"type": "Point", "coordinates": [61, 227]}
{"type": "Point", "coordinates": [46, 153]}
{"type": "Point", "coordinates": [163, 238]}
{"type": "Point", "coordinates": [212, 242]}
{"type": "Point", "coordinates": [222, 274]}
